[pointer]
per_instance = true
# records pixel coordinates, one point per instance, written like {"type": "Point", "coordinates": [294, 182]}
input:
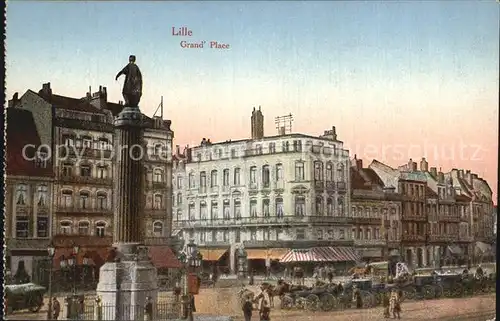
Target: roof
{"type": "Point", "coordinates": [462, 198]}
{"type": "Point", "coordinates": [373, 176]}
{"type": "Point", "coordinates": [21, 131]}
{"type": "Point", "coordinates": [162, 256]}
{"type": "Point", "coordinates": [64, 102]}
{"type": "Point", "coordinates": [357, 180]}
{"type": "Point", "coordinates": [430, 193]}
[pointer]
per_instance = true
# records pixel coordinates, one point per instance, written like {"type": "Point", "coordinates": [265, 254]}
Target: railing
{"type": "Point", "coordinates": [280, 184]}
{"type": "Point", "coordinates": [413, 217]}
{"type": "Point", "coordinates": [86, 152]}
{"type": "Point", "coordinates": [78, 209]}
{"type": "Point", "coordinates": [164, 311]}
{"type": "Point", "coordinates": [84, 180]}
{"type": "Point", "coordinates": [159, 185]}
{"type": "Point", "coordinates": [413, 238]}
{"type": "Point", "coordinates": [259, 221]}
{"type": "Point", "coordinates": [442, 238]}
{"type": "Point", "coordinates": [369, 242]}
{"type": "Point", "coordinates": [448, 218]}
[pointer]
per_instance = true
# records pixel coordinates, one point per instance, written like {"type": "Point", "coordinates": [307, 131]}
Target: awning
{"type": "Point", "coordinates": [455, 250]}
{"type": "Point", "coordinates": [337, 254]}
{"type": "Point", "coordinates": [277, 253]}
{"type": "Point", "coordinates": [163, 257]}
{"type": "Point", "coordinates": [302, 256]}
{"type": "Point", "coordinates": [371, 253]}
{"type": "Point", "coordinates": [212, 254]}
{"type": "Point", "coordinates": [482, 248]}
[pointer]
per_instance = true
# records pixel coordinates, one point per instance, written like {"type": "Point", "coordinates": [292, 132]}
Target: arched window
{"type": "Point", "coordinates": [85, 170]}
{"type": "Point", "coordinates": [157, 205]}
{"type": "Point", "coordinates": [158, 149]}
{"type": "Point", "coordinates": [102, 172]}
{"type": "Point", "coordinates": [21, 194]}
{"type": "Point", "coordinates": [102, 200]}
{"type": "Point", "coordinates": [318, 171]}
{"type": "Point", "coordinates": [66, 198]}
{"type": "Point", "coordinates": [158, 175]}
{"type": "Point", "coordinates": [213, 179]}
{"type": "Point", "coordinates": [253, 208]}
{"type": "Point", "coordinates": [266, 176]}
{"type": "Point", "coordinates": [329, 206]}
{"type": "Point", "coordinates": [279, 172]}
{"type": "Point", "coordinates": [340, 202]}
{"type": "Point", "coordinates": [100, 229]}
{"type": "Point", "coordinates": [329, 171]}
{"type": "Point", "coordinates": [279, 207]}
{"type": "Point", "coordinates": [299, 171]}
{"type": "Point", "coordinates": [340, 172]}
{"type": "Point", "coordinates": [158, 228]}
{"type": "Point", "coordinates": [192, 180]}
{"type": "Point", "coordinates": [84, 199]}
{"type": "Point", "coordinates": [179, 199]}
{"type": "Point", "coordinates": [65, 227]}
{"type": "Point", "coordinates": [83, 228]}
{"type": "Point", "coordinates": [319, 205]}
{"type": "Point", "coordinates": [300, 205]}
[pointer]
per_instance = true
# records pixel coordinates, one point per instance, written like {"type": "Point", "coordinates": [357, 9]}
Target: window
{"type": "Point", "coordinates": [102, 201]}
{"type": "Point", "coordinates": [158, 176]}
{"type": "Point", "coordinates": [158, 229]}
{"type": "Point", "coordinates": [233, 153]}
{"type": "Point", "coordinates": [299, 171]}
{"type": "Point", "coordinates": [354, 236]}
{"type": "Point", "coordinates": [237, 209]}
{"type": "Point", "coordinates": [341, 234]}
{"type": "Point", "coordinates": [42, 226]}
{"type": "Point", "coordinates": [179, 182]}
{"type": "Point", "coordinates": [272, 148]}
{"type": "Point", "coordinates": [203, 236]}
{"type": "Point", "coordinates": [329, 206]}
{"type": "Point", "coordinates": [100, 229]}
{"type": "Point", "coordinates": [330, 234]}
{"type": "Point", "coordinates": [84, 228]}
{"type": "Point", "coordinates": [253, 175]}
{"type": "Point", "coordinates": [319, 234]}
{"type": "Point", "coordinates": [65, 227]}
{"type": "Point", "coordinates": [192, 183]}
{"type": "Point", "coordinates": [258, 149]}
{"type": "Point", "coordinates": [213, 179]}
{"type": "Point", "coordinates": [253, 235]}
{"type": "Point", "coordinates": [225, 177]}
{"type": "Point", "coordinates": [318, 171]}
{"type": "Point", "coordinates": [21, 194]}
{"type": "Point", "coordinates": [265, 207]}
{"type": "Point", "coordinates": [104, 143]}
{"type": "Point", "coordinates": [279, 207]}
{"type": "Point", "coordinates": [225, 236]}
{"type": "Point", "coordinates": [157, 149]}
{"type": "Point", "coordinates": [67, 170]}
{"type": "Point", "coordinates": [157, 202]}
{"type": "Point", "coordinates": [297, 145]}
{"type": "Point", "coordinates": [66, 199]}
{"type": "Point", "coordinates": [237, 236]}
{"type": "Point", "coordinates": [87, 142]}
{"type": "Point", "coordinates": [236, 179]}
{"type": "Point", "coordinates": [179, 215]}
{"type": "Point", "coordinates": [319, 206]}
{"type": "Point", "coordinates": [329, 172]}
{"type": "Point", "coordinates": [266, 234]}
{"type": "Point", "coordinates": [253, 208]}
{"type": "Point", "coordinates": [179, 199]}
{"type": "Point", "coordinates": [214, 211]}
{"type": "Point", "coordinates": [300, 205]}
{"type": "Point", "coordinates": [22, 226]}
{"type": "Point", "coordinates": [226, 210]}
{"type": "Point", "coordinates": [84, 200]}
{"type": "Point", "coordinates": [340, 202]}
{"type": "Point", "coordinates": [69, 141]}
{"type": "Point", "coordinates": [340, 172]}
{"type": "Point", "coordinates": [102, 172]}
{"type": "Point", "coordinates": [203, 179]}
{"type": "Point", "coordinates": [203, 210]}
{"type": "Point", "coordinates": [42, 195]}
{"type": "Point", "coordinates": [266, 176]}
{"type": "Point", "coordinates": [85, 171]}
{"type": "Point", "coordinates": [279, 172]}
{"type": "Point", "coordinates": [300, 234]}
{"type": "Point", "coordinates": [285, 146]}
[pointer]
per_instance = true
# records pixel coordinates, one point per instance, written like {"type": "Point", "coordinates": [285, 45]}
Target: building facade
{"type": "Point", "coordinates": [28, 197]}
{"type": "Point", "coordinates": [82, 152]}
{"type": "Point", "coordinates": [376, 214]}
{"type": "Point", "coordinates": [269, 194]}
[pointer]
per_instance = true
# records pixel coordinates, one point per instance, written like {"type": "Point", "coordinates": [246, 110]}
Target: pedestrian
{"type": "Point", "coordinates": [148, 309]}
{"type": "Point", "coordinates": [56, 308]}
{"type": "Point", "coordinates": [247, 309]}
{"type": "Point", "coordinates": [386, 303]}
{"type": "Point", "coordinates": [395, 304]}
{"type": "Point", "coordinates": [357, 298]}
{"type": "Point", "coordinates": [264, 307]}
{"type": "Point", "coordinates": [81, 308]}
{"type": "Point", "coordinates": [330, 275]}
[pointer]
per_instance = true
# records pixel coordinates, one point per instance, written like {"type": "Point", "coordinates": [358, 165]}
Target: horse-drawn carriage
{"type": "Point", "coordinates": [24, 296]}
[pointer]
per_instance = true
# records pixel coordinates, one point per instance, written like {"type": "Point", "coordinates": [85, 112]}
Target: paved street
{"type": "Point", "coordinates": [225, 302]}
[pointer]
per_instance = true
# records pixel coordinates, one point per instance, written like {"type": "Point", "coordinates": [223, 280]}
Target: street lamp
{"type": "Point", "coordinates": [51, 251]}
{"type": "Point", "coordinates": [73, 262]}
{"type": "Point", "coordinates": [192, 259]}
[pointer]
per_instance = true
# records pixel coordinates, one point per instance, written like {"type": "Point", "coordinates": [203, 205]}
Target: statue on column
{"type": "Point", "coordinates": [132, 88]}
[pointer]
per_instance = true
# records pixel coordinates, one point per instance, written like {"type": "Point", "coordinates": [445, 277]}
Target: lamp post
{"type": "Point", "coordinates": [51, 251]}
{"type": "Point", "coordinates": [192, 259]}
{"type": "Point", "coordinates": [73, 262]}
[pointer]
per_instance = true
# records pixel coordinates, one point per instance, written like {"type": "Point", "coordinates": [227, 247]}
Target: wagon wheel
{"type": "Point", "coordinates": [379, 298]}
{"type": "Point", "coordinates": [410, 293]}
{"type": "Point", "coordinates": [286, 302]}
{"type": "Point", "coordinates": [439, 290]}
{"type": "Point", "coordinates": [458, 291]}
{"type": "Point", "coordinates": [367, 299]}
{"type": "Point", "coordinates": [447, 293]}
{"type": "Point", "coordinates": [36, 304]}
{"type": "Point", "coordinates": [301, 303]}
{"type": "Point", "coordinates": [429, 292]}
{"type": "Point", "coordinates": [312, 302]}
{"type": "Point", "coordinates": [328, 302]}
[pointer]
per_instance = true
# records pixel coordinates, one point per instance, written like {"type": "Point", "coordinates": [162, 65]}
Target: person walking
{"type": "Point", "coordinates": [56, 308]}
{"type": "Point", "coordinates": [265, 307]}
{"type": "Point", "coordinates": [247, 309]}
{"type": "Point", "coordinates": [395, 304]}
{"type": "Point", "coordinates": [386, 303]}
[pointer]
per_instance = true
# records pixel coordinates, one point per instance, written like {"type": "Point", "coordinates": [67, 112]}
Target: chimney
{"type": "Point", "coordinates": [99, 98]}
{"type": "Point", "coordinates": [440, 177]}
{"type": "Point", "coordinates": [257, 124]}
{"type": "Point", "coordinates": [120, 102]}
{"type": "Point", "coordinates": [410, 164]}
{"type": "Point", "coordinates": [414, 166]}
{"type": "Point", "coordinates": [434, 172]}
{"type": "Point", "coordinates": [282, 130]}
{"type": "Point", "coordinates": [424, 166]}
{"type": "Point", "coordinates": [461, 173]}
{"type": "Point", "coordinates": [359, 164]}
{"type": "Point", "coordinates": [46, 91]}
{"type": "Point", "coordinates": [15, 99]}
{"type": "Point", "coordinates": [334, 133]}
{"type": "Point", "coordinates": [177, 149]}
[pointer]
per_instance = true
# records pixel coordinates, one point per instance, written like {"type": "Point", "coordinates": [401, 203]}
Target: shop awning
{"type": "Point", "coordinates": [482, 248]}
{"type": "Point", "coordinates": [371, 253]}
{"type": "Point", "coordinates": [277, 253]}
{"type": "Point", "coordinates": [163, 257]}
{"type": "Point", "coordinates": [337, 254]}
{"type": "Point", "coordinates": [455, 250]}
{"type": "Point", "coordinates": [212, 254]}
{"type": "Point", "coordinates": [302, 256]}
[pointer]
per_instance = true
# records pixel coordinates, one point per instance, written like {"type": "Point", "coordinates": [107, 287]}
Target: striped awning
{"type": "Point", "coordinates": [337, 254]}
{"type": "Point", "coordinates": [212, 254]}
{"type": "Point", "coordinates": [302, 256]}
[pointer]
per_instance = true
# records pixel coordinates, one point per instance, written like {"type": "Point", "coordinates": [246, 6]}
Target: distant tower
{"type": "Point", "coordinates": [257, 124]}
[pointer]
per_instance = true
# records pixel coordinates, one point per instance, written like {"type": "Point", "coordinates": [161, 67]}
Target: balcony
{"type": "Point", "coordinates": [87, 152]}
{"type": "Point", "coordinates": [159, 185]}
{"type": "Point", "coordinates": [157, 158]}
{"type": "Point", "coordinates": [155, 211]}
{"type": "Point", "coordinates": [341, 186]}
{"type": "Point", "coordinates": [440, 238]}
{"type": "Point", "coordinates": [72, 210]}
{"type": "Point", "coordinates": [202, 190]}
{"type": "Point", "coordinates": [214, 190]}
{"type": "Point", "coordinates": [158, 240]}
{"type": "Point", "coordinates": [225, 190]}
{"type": "Point", "coordinates": [413, 217]}
{"type": "Point", "coordinates": [369, 243]}
{"type": "Point", "coordinates": [413, 238]}
{"type": "Point", "coordinates": [252, 186]}
{"type": "Point", "coordinates": [449, 218]}
{"type": "Point", "coordinates": [367, 221]}
{"type": "Point", "coordinates": [84, 180]}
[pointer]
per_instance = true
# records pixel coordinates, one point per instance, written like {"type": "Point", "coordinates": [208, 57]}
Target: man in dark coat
{"type": "Point", "coordinates": [132, 88]}
{"type": "Point", "coordinates": [247, 309]}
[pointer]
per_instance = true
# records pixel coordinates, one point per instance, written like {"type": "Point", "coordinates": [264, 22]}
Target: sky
{"type": "Point", "coordinates": [398, 79]}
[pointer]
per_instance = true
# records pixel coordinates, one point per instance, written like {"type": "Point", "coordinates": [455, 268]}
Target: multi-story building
{"type": "Point", "coordinates": [269, 194]}
{"type": "Point", "coordinates": [82, 135]}
{"type": "Point", "coordinates": [375, 211]}
{"type": "Point", "coordinates": [28, 196]}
